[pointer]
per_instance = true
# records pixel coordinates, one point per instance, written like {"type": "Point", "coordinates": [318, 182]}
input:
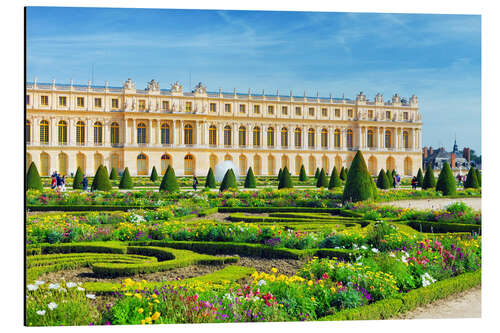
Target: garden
{"type": "Point", "coordinates": [331, 251]}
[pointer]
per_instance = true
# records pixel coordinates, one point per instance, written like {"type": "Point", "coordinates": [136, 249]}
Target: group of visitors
{"type": "Point", "coordinates": [58, 182]}
{"type": "Point", "coordinates": [461, 179]}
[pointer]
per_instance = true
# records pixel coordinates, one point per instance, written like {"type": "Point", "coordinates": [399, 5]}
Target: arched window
{"type": "Point", "coordinates": [165, 134]}
{"type": "Point", "coordinates": [338, 163]}
{"type": "Point", "coordinates": [227, 135]}
{"type": "Point", "coordinates": [271, 165]}
{"type": "Point", "coordinates": [406, 142]}
{"type": "Point", "coordinates": [81, 162]}
{"type": "Point", "coordinates": [388, 139]}
{"type": "Point", "coordinates": [408, 166]}
{"type": "Point", "coordinates": [228, 157]}
{"type": "Point", "coordinates": [257, 165]}
{"type": "Point", "coordinates": [28, 131]}
{"type": "Point", "coordinates": [63, 164]}
{"type": "Point", "coordinates": [336, 138]}
{"type": "Point", "coordinates": [188, 165]}
{"type": "Point", "coordinates": [115, 134]}
{"type": "Point", "coordinates": [324, 138]}
{"type": "Point", "coordinates": [141, 133]}
{"type": "Point", "coordinates": [256, 136]}
{"type": "Point", "coordinates": [213, 162]}
{"type": "Point", "coordinates": [44, 164]}
{"type": "Point", "coordinates": [28, 160]}
{"type": "Point", "coordinates": [44, 131]}
{"type": "Point", "coordinates": [298, 164]}
{"type": "Point", "coordinates": [115, 162]}
{"type": "Point", "coordinates": [97, 161]}
{"type": "Point", "coordinates": [212, 135]}
{"type": "Point", "coordinates": [242, 136]}
{"type": "Point", "coordinates": [372, 165]}
{"type": "Point", "coordinates": [188, 134]}
{"type": "Point", "coordinates": [284, 137]}
{"type": "Point", "coordinates": [142, 165]}
{"type": "Point", "coordinates": [369, 138]}
{"type": "Point", "coordinates": [310, 138]}
{"type": "Point", "coordinates": [312, 165]}
{"type": "Point", "coordinates": [62, 132]}
{"type": "Point", "coordinates": [324, 163]}
{"type": "Point", "coordinates": [349, 140]}
{"type": "Point", "coordinates": [165, 162]}
{"type": "Point", "coordinates": [284, 162]}
{"type": "Point", "coordinates": [243, 165]}
{"type": "Point", "coordinates": [298, 137]}
{"type": "Point", "coordinates": [270, 138]}
{"type": "Point", "coordinates": [97, 133]}
{"type": "Point", "coordinates": [80, 133]}
{"type": "Point", "coordinates": [390, 163]}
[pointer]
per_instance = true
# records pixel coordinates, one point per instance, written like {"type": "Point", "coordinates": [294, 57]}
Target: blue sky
{"type": "Point", "coordinates": [436, 57]}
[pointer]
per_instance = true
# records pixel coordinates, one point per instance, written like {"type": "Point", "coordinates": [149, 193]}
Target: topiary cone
{"type": "Point", "coordinates": [169, 181]}
{"type": "Point", "coordinates": [229, 181]}
{"type": "Point", "coordinates": [250, 181]}
{"type": "Point", "coordinates": [210, 181]}
{"type": "Point", "coordinates": [113, 175]}
{"type": "Point", "coordinates": [316, 174]}
{"type": "Point", "coordinates": [280, 173]}
{"type": "Point", "coordinates": [126, 180]}
{"type": "Point", "coordinates": [429, 180]}
{"type": "Point", "coordinates": [471, 181]}
{"type": "Point", "coordinates": [322, 180]}
{"type": "Point", "coordinates": [154, 175]}
{"type": "Point", "coordinates": [77, 180]}
{"type": "Point", "coordinates": [334, 179]}
{"type": "Point", "coordinates": [359, 184]}
{"type": "Point", "coordinates": [478, 175]}
{"type": "Point", "coordinates": [382, 181]}
{"type": "Point", "coordinates": [302, 174]}
{"type": "Point", "coordinates": [343, 174]}
{"type": "Point", "coordinates": [286, 180]}
{"type": "Point", "coordinates": [389, 177]}
{"type": "Point", "coordinates": [420, 178]}
{"type": "Point", "coordinates": [101, 180]}
{"type": "Point", "coordinates": [446, 181]}
{"type": "Point", "coordinates": [33, 179]}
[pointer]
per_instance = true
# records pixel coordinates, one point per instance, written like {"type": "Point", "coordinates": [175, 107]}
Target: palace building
{"type": "Point", "coordinates": [70, 126]}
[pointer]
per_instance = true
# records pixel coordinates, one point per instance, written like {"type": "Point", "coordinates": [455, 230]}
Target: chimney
{"type": "Point", "coordinates": [453, 160]}
{"type": "Point", "coordinates": [430, 150]}
{"type": "Point", "coordinates": [467, 154]}
{"type": "Point", "coordinates": [425, 153]}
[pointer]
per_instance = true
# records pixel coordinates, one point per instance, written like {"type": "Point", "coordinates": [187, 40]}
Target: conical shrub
{"type": "Point", "coordinates": [101, 180]}
{"type": "Point", "coordinates": [471, 181]}
{"type": "Point", "coordinates": [126, 181]}
{"type": "Point", "coordinates": [169, 181]}
{"type": "Point", "coordinates": [359, 184]}
{"type": "Point", "coordinates": [33, 179]}
{"type": "Point", "coordinates": [389, 177]}
{"type": "Point", "coordinates": [429, 180]}
{"type": "Point", "coordinates": [77, 180]}
{"type": "Point", "coordinates": [393, 173]}
{"type": "Point", "coordinates": [343, 174]}
{"type": "Point", "coordinates": [229, 181]}
{"type": "Point", "coordinates": [478, 176]}
{"type": "Point", "coordinates": [210, 181]}
{"type": "Point", "coordinates": [322, 180]}
{"type": "Point", "coordinates": [302, 174]}
{"type": "Point", "coordinates": [286, 180]}
{"type": "Point", "coordinates": [420, 178]}
{"type": "Point", "coordinates": [316, 174]}
{"type": "Point", "coordinates": [446, 182]}
{"type": "Point", "coordinates": [113, 175]}
{"type": "Point", "coordinates": [334, 179]}
{"type": "Point", "coordinates": [250, 181]}
{"type": "Point", "coordinates": [280, 173]}
{"type": "Point", "coordinates": [382, 181]}
{"type": "Point", "coordinates": [154, 174]}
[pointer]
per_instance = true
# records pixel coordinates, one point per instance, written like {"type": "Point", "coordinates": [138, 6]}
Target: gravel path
{"type": "Point", "coordinates": [475, 203]}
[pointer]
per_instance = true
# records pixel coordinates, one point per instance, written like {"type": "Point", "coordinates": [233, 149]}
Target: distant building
{"type": "Point", "coordinates": [457, 159]}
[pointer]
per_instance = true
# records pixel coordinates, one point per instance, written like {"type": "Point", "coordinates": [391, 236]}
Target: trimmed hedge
{"type": "Point", "coordinates": [471, 181]}
{"type": "Point", "coordinates": [444, 227]}
{"type": "Point", "coordinates": [33, 180]}
{"type": "Point", "coordinates": [359, 185]}
{"type": "Point", "coordinates": [81, 208]}
{"type": "Point", "coordinates": [208, 211]}
{"type": "Point", "coordinates": [338, 211]}
{"type": "Point", "coordinates": [334, 179]}
{"type": "Point", "coordinates": [126, 180]}
{"type": "Point", "coordinates": [154, 174]}
{"type": "Point", "coordinates": [169, 181]}
{"type": "Point", "coordinates": [250, 181]}
{"type": "Point", "coordinates": [302, 174]}
{"type": "Point", "coordinates": [113, 175]}
{"type": "Point", "coordinates": [77, 180]}
{"type": "Point", "coordinates": [228, 182]}
{"type": "Point", "coordinates": [285, 180]}
{"type": "Point", "coordinates": [382, 181]}
{"type": "Point", "coordinates": [88, 247]}
{"type": "Point", "coordinates": [210, 179]}
{"type": "Point", "coordinates": [446, 181]}
{"type": "Point", "coordinates": [429, 180]}
{"type": "Point", "coordinates": [420, 178]}
{"type": "Point", "coordinates": [101, 180]}
{"type": "Point", "coordinates": [322, 180]}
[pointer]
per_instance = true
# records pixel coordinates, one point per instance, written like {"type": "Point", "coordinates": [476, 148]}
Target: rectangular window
{"type": "Point", "coordinates": [242, 108]}
{"type": "Point", "coordinates": [337, 113]}
{"type": "Point", "coordinates": [388, 115]}
{"type": "Point", "coordinates": [114, 103]}
{"type": "Point", "coordinates": [370, 114]}
{"type": "Point", "coordinates": [62, 101]}
{"type": "Point", "coordinates": [298, 111]}
{"type": "Point", "coordinates": [256, 109]}
{"type": "Point", "coordinates": [98, 102]}
{"type": "Point", "coordinates": [80, 102]}
{"type": "Point", "coordinates": [270, 109]}
{"type": "Point", "coordinates": [324, 112]}
{"type": "Point", "coordinates": [189, 106]}
{"type": "Point", "coordinates": [349, 113]}
{"type": "Point", "coordinates": [44, 100]}
{"type": "Point", "coordinates": [311, 112]}
{"type": "Point", "coordinates": [28, 99]}
{"type": "Point", "coordinates": [213, 107]}
{"type": "Point", "coordinates": [405, 115]}
{"type": "Point", "coordinates": [164, 105]}
{"type": "Point", "coordinates": [142, 105]}
{"type": "Point", "coordinates": [227, 107]}
{"type": "Point", "coordinates": [284, 110]}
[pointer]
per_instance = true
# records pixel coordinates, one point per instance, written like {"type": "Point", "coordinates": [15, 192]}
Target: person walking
{"type": "Point", "coordinates": [394, 181]}
{"type": "Point", "coordinates": [398, 180]}
{"type": "Point", "coordinates": [58, 182]}
{"type": "Point", "coordinates": [85, 184]}
{"type": "Point", "coordinates": [63, 183]}
{"type": "Point", "coordinates": [195, 182]}
{"type": "Point", "coordinates": [53, 182]}
{"type": "Point", "coordinates": [414, 182]}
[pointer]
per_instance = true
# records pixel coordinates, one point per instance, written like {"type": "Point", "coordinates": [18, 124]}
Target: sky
{"type": "Point", "coordinates": [436, 57]}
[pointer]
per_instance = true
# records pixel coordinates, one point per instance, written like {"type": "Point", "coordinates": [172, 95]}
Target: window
{"type": "Point", "coordinates": [337, 113]}
{"type": "Point", "coordinates": [270, 166]}
{"type": "Point", "coordinates": [298, 111]}
{"type": "Point", "coordinates": [114, 103]}
{"type": "Point", "coordinates": [164, 105]}
{"type": "Point", "coordinates": [324, 138]}
{"type": "Point", "coordinates": [242, 136]}
{"type": "Point", "coordinates": [405, 115]}
{"type": "Point", "coordinates": [243, 164]}
{"type": "Point", "coordinates": [141, 133]}
{"type": "Point", "coordinates": [62, 132]}
{"type": "Point", "coordinates": [256, 109]}
{"type": "Point", "coordinates": [142, 165]}
{"type": "Point", "coordinates": [324, 112]}
{"type": "Point", "coordinates": [349, 113]}
{"type": "Point", "coordinates": [227, 135]}
{"type": "Point", "coordinates": [142, 105]}
{"type": "Point", "coordinates": [270, 136]}
{"type": "Point", "coordinates": [311, 112]}
{"type": "Point", "coordinates": [284, 110]}
{"type": "Point", "coordinates": [115, 134]}
{"type": "Point", "coordinates": [115, 161]}
{"type": "Point", "coordinates": [212, 135]}
{"type": "Point", "coordinates": [284, 137]}
{"type": "Point", "coordinates": [310, 138]}
{"type": "Point", "coordinates": [165, 134]}
{"type": "Point", "coordinates": [256, 136]}
{"type": "Point", "coordinates": [62, 101]}
{"type": "Point", "coordinates": [336, 138]}
{"type": "Point", "coordinates": [97, 161]}
{"type": "Point", "coordinates": [44, 100]}
{"type": "Point", "coordinates": [369, 138]}
{"type": "Point", "coordinates": [213, 107]}
{"type": "Point", "coordinates": [388, 115]}
{"type": "Point", "coordinates": [227, 107]}
{"type": "Point", "coordinates": [188, 134]}
{"type": "Point", "coordinates": [165, 162]}
{"type": "Point", "coordinates": [406, 141]}
{"type": "Point", "coordinates": [242, 108]}
{"type": "Point", "coordinates": [28, 131]}
{"type": "Point", "coordinates": [188, 165]}
{"type": "Point", "coordinates": [388, 139]}
{"type": "Point", "coordinates": [349, 140]}
{"type": "Point", "coordinates": [80, 133]}
{"type": "Point", "coordinates": [270, 109]}
{"type": "Point", "coordinates": [97, 133]}
{"type": "Point", "coordinates": [28, 99]}
{"type": "Point", "coordinates": [80, 102]}
{"type": "Point", "coordinates": [370, 114]}
{"type": "Point", "coordinates": [189, 106]}
{"type": "Point", "coordinates": [98, 102]}
{"type": "Point", "coordinates": [298, 137]}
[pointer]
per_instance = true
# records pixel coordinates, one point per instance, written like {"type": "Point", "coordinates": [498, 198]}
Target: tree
{"type": "Point", "coordinates": [229, 181]}
{"type": "Point", "coordinates": [169, 181]}
{"type": "Point", "coordinates": [343, 174]}
{"type": "Point", "coordinates": [359, 184]}
{"type": "Point", "coordinates": [389, 177]}
{"type": "Point", "coordinates": [316, 174]}
{"type": "Point", "coordinates": [77, 180]}
{"type": "Point", "coordinates": [334, 179]}
{"type": "Point", "coordinates": [471, 181]}
{"type": "Point", "coordinates": [420, 178]}
{"type": "Point", "coordinates": [33, 179]}
{"type": "Point", "coordinates": [126, 181]}
{"type": "Point", "coordinates": [154, 174]}
{"type": "Point", "coordinates": [393, 173]}
{"type": "Point", "coordinates": [446, 181]}
{"type": "Point", "coordinates": [101, 180]}
{"type": "Point", "coordinates": [279, 174]}
{"type": "Point", "coordinates": [322, 180]}
{"type": "Point", "coordinates": [302, 174]}
{"type": "Point", "coordinates": [250, 181]}
{"type": "Point", "coordinates": [286, 180]}
{"type": "Point", "coordinates": [429, 180]}
{"type": "Point", "coordinates": [210, 181]}
{"type": "Point", "coordinates": [478, 175]}
{"type": "Point", "coordinates": [113, 175]}
{"type": "Point", "coordinates": [382, 181]}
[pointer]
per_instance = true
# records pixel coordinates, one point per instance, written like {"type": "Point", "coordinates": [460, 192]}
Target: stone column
{"type": "Point", "coordinates": [53, 131]}
{"type": "Point", "coordinates": [87, 130]}
{"type": "Point", "coordinates": [36, 131]}
{"type": "Point", "coordinates": [125, 132]}
{"type": "Point", "coordinates": [175, 135]}
{"type": "Point", "coordinates": [292, 137]}
{"type": "Point", "coordinates": [205, 134]}
{"type": "Point", "coordinates": [317, 139]}
{"type": "Point", "coordinates": [343, 138]}
{"type": "Point", "coordinates": [158, 132]}
{"type": "Point", "coordinates": [360, 138]}
{"type": "Point", "coordinates": [150, 132]}
{"type": "Point", "coordinates": [220, 135]}
{"type": "Point", "coordinates": [106, 133]}
{"type": "Point", "coordinates": [181, 135]}
{"type": "Point", "coordinates": [134, 132]}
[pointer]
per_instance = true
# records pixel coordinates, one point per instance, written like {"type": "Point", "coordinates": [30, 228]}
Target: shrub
{"type": "Point", "coordinates": [77, 181]}
{"type": "Point", "coordinates": [169, 181]}
{"type": "Point", "coordinates": [382, 181]}
{"type": "Point", "coordinates": [478, 175]}
{"type": "Point", "coordinates": [446, 182]}
{"type": "Point", "coordinates": [316, 174]}
{"type": "Point", "coordinates": [302, 174]}
{"type": "Point", "coordinates": [280, 173]}
{"type": "Point", "coordinates": [113, 175]}
{"type": "Point", "coordinates": [210, 181]}
{"type": "Point", "coordinates": [154, 174]}
{"type": "Point", "coordinates": [393, 173]}
{"type": "Point", "coordinates": [389, 177]}
{"type": "Point", "coordinates": [343, 174]}
{"type": "Point", "coordinates": [286, 180]}
{"type": "Point", "coordinates": [322, 180]}
{"type": "Point", "coordinates": [33, 180]}
{"type": "Point", "coordinates": [471, 181]}
{"type": "Point", "coordinates": [126, 180]}
{"type": "Point", "coordinates": [420, 178]}
{"type": "Point", "coordinates": [359, 184]}
{"type": "Point", "coordinates": [229, 181]}
{"type": "Point", "coordinates": [429, 180]}
{"type": "Point", "coordinates": [334, 179]}
{"type": "Point", "coordinates": [250, 181]}
{"type": "Point", "coordinates": [101, 180]}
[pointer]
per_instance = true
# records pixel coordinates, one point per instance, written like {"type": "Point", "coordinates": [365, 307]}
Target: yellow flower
{"type": "Point", "coordinates": [313, 299]}
{"type": "Point", "coordinates": [156, 301]}
{"type": "Point", "coordinates": [310, 283]}
{"type": "Point", "coordinates": [155, 316]}
{"type": "Point", "coordinates": [154, 296]}
{"type": "Point", "coordinates": [141, 310]}
{"type": "Point", "coordinates": [143, 322]}
{"type": "Point", "coordinates": [274, 270]}
{"type": "Point", "coordinates": [139, 296]}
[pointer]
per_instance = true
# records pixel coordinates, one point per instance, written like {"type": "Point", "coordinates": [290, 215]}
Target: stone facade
{"type": "Point", "coordinates": [72, 125]}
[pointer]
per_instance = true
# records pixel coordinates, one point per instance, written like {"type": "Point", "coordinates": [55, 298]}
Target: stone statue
{"type": "Point", "coordinates": [153, 86]}
{"type": "Point", "coordinates": [129, 84]}
{"type": "Point", "coordinates": [200, 89]}
{"type": "Point", "coordinates": [176, 87]}
{"type": "Point", "coordinates": [379, 98]}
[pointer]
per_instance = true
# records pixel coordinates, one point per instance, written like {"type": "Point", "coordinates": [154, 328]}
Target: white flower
{"type": "Point", "coordinates": [70, 284]}
{"type": "Point", "coordinates": [52, 305]}
{"type": "Point", "coordinates": [392, 255]}
{"type": "Point", "coordinates": [54, 286]}
{"type": "Point", "coordinates": [41, 312]}
{"type": "Point", "coordinates": [39, 283]}
{"type": "Point", "coordinates": [32, 287]}
{"type": "Point", "coordinates": [261, 283]}
{"type": "Point", "coordinates": [364, 247]}
{"type": "Point", "coordinates": [80, 289]}
{"type": "Point", "coordinates": [358, 258]}
{"type": "Point", "coordinates": [427, 279]}
{"type": "Point", "coordinates": [91, 296]}
{"type": "Point", "coordinates": [375, 250]}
